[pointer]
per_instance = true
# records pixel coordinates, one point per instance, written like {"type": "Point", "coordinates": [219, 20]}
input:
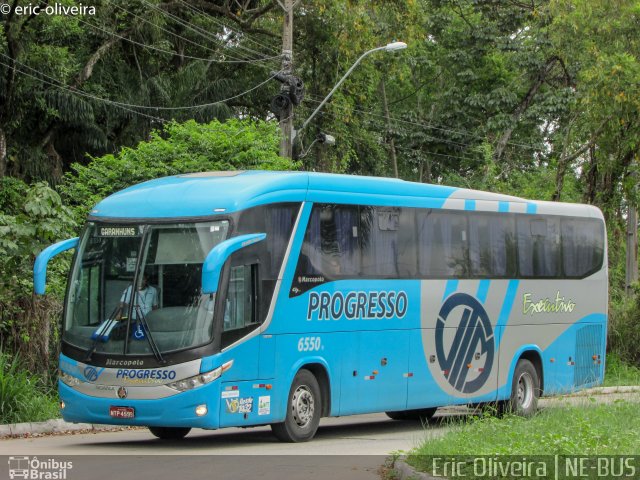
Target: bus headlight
{"type": "Point", "coordinates": [69, 379]}
{"type": "Point", "coordinates": [200, 379]}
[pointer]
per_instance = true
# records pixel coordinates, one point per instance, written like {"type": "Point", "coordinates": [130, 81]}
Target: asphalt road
{"type": "Point", "coordinates": [372, 434]}
{"type": "Point", "coordinates": [354, 447]}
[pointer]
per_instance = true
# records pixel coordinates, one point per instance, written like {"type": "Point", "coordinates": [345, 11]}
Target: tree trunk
{"type": "Point", "coordinates": [523, 106]}
{"type": "Point", "coordinates": [561, 171]}
{"type": "Point", "coordinates": [632, 249]}
{"type": "Point", "coordinates": [591, 178]}
{"type": "Point", "coordinates": [3, 152]}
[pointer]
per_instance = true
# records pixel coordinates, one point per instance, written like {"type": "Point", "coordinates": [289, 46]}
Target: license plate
{"type": "Point", "coordinates": [122, 412]}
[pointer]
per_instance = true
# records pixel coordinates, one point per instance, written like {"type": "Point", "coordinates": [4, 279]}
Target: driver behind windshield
{"type": "Point", "coordinates": [146, 298]}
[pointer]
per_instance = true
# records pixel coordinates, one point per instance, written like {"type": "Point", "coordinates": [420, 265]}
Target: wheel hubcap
{"type": "Point", "coordinates": [302, 406]}
{"type": "Point", "coordinates": [525, 391]}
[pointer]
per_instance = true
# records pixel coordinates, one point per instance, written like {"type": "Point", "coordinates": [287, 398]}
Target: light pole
{"type": "Point", "coordinates": [391, 47]}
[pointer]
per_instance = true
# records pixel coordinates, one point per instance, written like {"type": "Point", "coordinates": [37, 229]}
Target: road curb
{"type": "Point", "coordinates": [51, 426]}
{"type": "Point", "coordinates": [404, 471]}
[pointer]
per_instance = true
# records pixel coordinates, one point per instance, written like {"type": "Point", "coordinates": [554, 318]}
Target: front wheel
{"type": "Point", "coordinates": [525, 390]}
{"type": "Point", "coordinates": [169, 433]}
{"type": "Point", "coordinates": [304, 406]}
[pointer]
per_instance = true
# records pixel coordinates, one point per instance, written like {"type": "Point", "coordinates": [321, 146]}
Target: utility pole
{"type": "Point", "coordinates": [286, 116]}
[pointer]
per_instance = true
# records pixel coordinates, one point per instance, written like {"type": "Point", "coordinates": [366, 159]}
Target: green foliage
{"type": "Point", "coordinates": [619, 372]}
{"type": "Point", "coordinates": [24, 397]}
{"type": "Point", "coordinates": [586, 429]}
{"type": "Point", "coordinates": [179, 148]}
{"type": "Point", "coordinates": [31, 218]}
{"type": "Point", "coordinates": [624, 330]}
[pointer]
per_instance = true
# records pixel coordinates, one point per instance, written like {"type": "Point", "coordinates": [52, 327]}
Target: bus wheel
{"type": "Point", "coordinates": [304, 407]}
{"type": "Point", "coordinates": [170, 433]}
{"type": "Point", "coordinates": [525, 390]}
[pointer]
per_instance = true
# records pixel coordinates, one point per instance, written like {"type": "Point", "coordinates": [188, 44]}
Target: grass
{"type": "Point", "coordinates": [607, 429]}
{"type": "Point", "coordinates": [24, 396]}
{"type": "Point", "coordinates": [619, 373]}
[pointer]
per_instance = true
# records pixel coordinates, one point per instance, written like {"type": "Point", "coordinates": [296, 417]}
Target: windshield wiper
{"type": "Point", "coordinates": [145, 326]}
{"type": "Point", "coordinates": [103, 332]}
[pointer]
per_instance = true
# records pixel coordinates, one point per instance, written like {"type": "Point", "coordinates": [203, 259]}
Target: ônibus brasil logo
{"type": "Point", "coordinates": [473, 336]}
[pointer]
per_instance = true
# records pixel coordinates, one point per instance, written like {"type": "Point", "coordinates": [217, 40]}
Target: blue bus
{"type": "Point", "coordinates": [221, 299]}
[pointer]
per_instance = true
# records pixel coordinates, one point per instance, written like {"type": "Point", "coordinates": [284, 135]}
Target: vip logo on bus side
{"type": "Point", "coordinates": [473, 338]}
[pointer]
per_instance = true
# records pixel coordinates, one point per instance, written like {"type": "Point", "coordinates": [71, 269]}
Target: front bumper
{"type": "Point", "coordinates": [174, 411]}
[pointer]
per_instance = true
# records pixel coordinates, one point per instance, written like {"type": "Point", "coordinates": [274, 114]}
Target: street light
{"type": "Point", "coordinates": [391, 47]}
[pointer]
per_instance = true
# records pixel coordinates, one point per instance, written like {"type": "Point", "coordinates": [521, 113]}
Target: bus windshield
{"type": "Point", "coordinates": [165, 310]}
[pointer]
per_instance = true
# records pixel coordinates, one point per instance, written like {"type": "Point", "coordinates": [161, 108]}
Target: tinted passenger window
{"type": "Point", "coordinates": [539, 246]}
{"type": "Point", "coordinates": [492, 248]}
{"type": "Point", "coordinates": [381, 242]}
{"type": "Point", "coordinates": [330, 247]}
{"type": "Point", "coordinates": [442, 244]}
{"type": "Point", "coordinates": [582, 246]}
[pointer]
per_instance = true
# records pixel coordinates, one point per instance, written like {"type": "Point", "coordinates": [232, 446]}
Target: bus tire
{"type": "Point", "coordinates": [170, 433]}
{"type": "Point", "coordinates": [525, 390]}
{"type": "Point", "coordinates": [304, 407]}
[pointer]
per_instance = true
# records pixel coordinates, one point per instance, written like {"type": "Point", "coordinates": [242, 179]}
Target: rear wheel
{"type": "Point", "coordinates": [304, 406]}
{"type": "Point", "coordinates": [525, 390]}
{"type": "Point", "coordinates": [170, 433]}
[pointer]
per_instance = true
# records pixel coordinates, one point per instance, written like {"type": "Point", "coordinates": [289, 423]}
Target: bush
{"type": "Point", "coordinates": [31, 218]}
{"type": "Point", "coordinates": [624, 332]}
{"type": "Point", "coordinates": [179, 148]}
{"type": "Point", "coordinates": [24, 397]}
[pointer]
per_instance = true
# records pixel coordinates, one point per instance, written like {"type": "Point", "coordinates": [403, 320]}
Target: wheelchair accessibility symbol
{"type": "Point", "coordinates": [468, 362]}
{"type": "Point", "coordinates": [138, 332]}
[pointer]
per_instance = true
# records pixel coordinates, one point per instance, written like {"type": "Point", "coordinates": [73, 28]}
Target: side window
{"type": "Point", "coordinates": [331, 247]}
{"type": "Point", "coordinates": [388, 242]}
{"type": "Point", "coordinates": [442, 244]}
{"type": "Point", "coordinates": [277, 222]}
{"type": "Point", "coordinates": [538, 246]}
{"type": "Point", "coordinates": [582, 246]}
{"type": "Point", "coordinates": [240, 306]}
{"type": "Point", "coordinates": [88, 295]}
{"type": "Point", "coordinates": [492, 249]}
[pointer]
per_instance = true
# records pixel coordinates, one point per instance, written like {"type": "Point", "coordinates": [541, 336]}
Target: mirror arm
{"type": "Point", "coordinates": [42, 260]}
{"type": "Point", "coordinates": [212, 266]}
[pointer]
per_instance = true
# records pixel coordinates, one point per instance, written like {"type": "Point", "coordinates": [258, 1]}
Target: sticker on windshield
{"type": "Point", "coordinates": [138, 332]}
{"type": "Point", "coordinates": [119, 231]}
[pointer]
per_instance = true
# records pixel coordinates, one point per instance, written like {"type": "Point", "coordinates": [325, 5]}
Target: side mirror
{"type": "Point", "coordinates": [212, 266]}
{"type": "Point", "coordinates": [40, 267]}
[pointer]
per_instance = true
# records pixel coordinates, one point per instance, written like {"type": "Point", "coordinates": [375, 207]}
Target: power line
{"type": "Point", "coordinates": [229, 27]}
{"type": "Point", "coordinates": [75, 92]}
{"type": "Point", "coordinates": [151, 47]}
{"type": "Point", "coordinates": [383, 125]}
{"type": "Point", "coordinates": [460, 132]}
{"type": "Point", "coordinates": [203, 33]}
{"type": "Point", "coordinates": [147, 107]}
{"type": "Point", "coordinates": [236, 60]}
